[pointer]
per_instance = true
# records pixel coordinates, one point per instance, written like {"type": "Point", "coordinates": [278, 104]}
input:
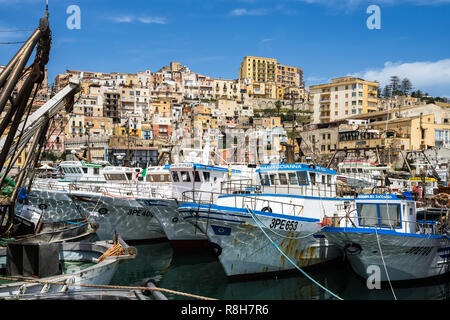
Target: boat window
{"type": "Point", "coordinates": [329, 179]}
{"type": "Point", "coordinates": [312, 177]}
{"type": "Point", "coordinates": [283, 179]}
{"type": "Point", "coordinates": [185, 176]}
{"type": "Point", "coordinates": [273, 179]}
{"type": "Point", "coordinates": [353, 170]}
{"type": "Point", "coordinates": [323, 179]}
{"type": "Point", "coordinates": [168, 177]}
{"type": "Point", "coordinates": [264, 179]}
{"type": "Point", "coordinates": [197, 177]}
{"type": "Point", "coordinates": [162, 178]}
{"type": "Point", "coordinates": [206, 176]}
{"type": "Point", "coordinates": [96, 171]}
{"type": "Point", "coordinates": [302, 178]}
{"type": "Point", "coordinates": [360, 170]}
{"type": "Point", "coordinates": [129, 177]}
{"type": "Point", "coordinates": [175, 177]}
{"type": "Point", "coordinates": [390, 215]}
{"type": "Point", "coordinates": [85, 170]}
{"type": "Point", "coordinates": [368, 215]}
{"type": "Point", "coordinates": [292, 178]}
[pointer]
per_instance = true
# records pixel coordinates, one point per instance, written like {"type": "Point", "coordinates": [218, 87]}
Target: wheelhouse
{"type": "Point", "coordinates": [82, 171]}
{"type": "Point", "coordinates": [386, 211]}
{"type": "Point", "coordinates": [302, 179]}
{"type": "Point", "coordinates": [121, 174]}
{"type": "Point", "coordinates": [158, 175]}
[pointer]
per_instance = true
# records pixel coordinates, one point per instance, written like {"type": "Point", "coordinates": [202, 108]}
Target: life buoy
{"type": "Point", "coordinates": [267, 209]}
{"type": "Point", "coordinates": [352, 249]}
{"type": "Point", "coordinates": [175, 220]}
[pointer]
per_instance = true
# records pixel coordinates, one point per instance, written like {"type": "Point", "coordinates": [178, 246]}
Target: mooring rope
{"type": "Point", "coordinates": [108, 287]}
{"type": "Point", "coordinates": [384, 264]}
{"type": "Point", "coordinates": [293, 263]}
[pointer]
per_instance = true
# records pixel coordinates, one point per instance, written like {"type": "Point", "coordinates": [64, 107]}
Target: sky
{"type": "Point", "coordinates": [326, 38]}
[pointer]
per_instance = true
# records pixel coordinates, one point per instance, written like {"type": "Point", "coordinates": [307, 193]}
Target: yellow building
{"type": "Point", "coordinates": [342, 98]}
{"type": "Point", "coordinates": [258, 69]}
{"type": "Point", "coordinates": [122, 132]}
{"type": "Point", "coordinates": [162, 107]}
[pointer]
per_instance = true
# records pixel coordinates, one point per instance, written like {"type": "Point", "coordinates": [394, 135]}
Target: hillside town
{"type": "Point", "coordinates": [149, 118]}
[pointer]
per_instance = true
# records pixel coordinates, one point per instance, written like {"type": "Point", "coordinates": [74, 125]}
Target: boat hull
{"type": "Point", "coordinates": [183, 236]}
{"type": "Point", "coordinates": [113, 214]}
{"type": "Point", "coordinates": [245, 251]}
{"type": "Point", "coordinates": [406, 256]}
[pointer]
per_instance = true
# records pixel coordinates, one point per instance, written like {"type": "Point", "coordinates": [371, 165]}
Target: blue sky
{"type": "Point", "coordinates": [326, 38]}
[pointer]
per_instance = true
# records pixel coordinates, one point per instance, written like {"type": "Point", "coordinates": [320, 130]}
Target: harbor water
{"type": "Point", "coordinates": [202, 274]}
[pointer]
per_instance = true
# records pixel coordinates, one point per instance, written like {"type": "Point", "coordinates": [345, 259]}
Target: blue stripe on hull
{"type": "Point", "coordinates": [216, 209]}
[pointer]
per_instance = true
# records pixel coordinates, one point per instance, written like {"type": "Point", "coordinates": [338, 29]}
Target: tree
{"type": "Point", "coordinates": [395, 85]}
{"type": "Point", "coordinates": [278, 106]}
{"type": "Point", "coordinates": [387, 91]}
{"type": "Point", "coordinates": [405, 86]}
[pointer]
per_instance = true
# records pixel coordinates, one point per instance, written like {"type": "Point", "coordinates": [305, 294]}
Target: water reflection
{"type": "Point", "coordinates": [203, 275]}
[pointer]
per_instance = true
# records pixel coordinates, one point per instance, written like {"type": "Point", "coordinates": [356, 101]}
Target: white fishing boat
{"type": "Point", "coordinates": [183, 235]}
{"type": "Point", "coordinates": [387, 233]}
{"type": "Point", "coordinates": [57, 268]}
{"type": "Point", "coordinates": [110, 200]}
{"type": "Point", "coordinates": [251, 224]}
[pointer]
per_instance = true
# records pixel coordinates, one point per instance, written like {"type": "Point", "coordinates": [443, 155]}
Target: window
{"type": "Point", "coordinates": [283, 179]}
{"type": "Point", "coordinates": [273, 179]}
{"type": "Point", "coordinates": [292, 178]}
{"type": "Point", "coordinates": [302, 178]}
{"type": "Point", "coordinates": [312, 177]}
{"type": "Point", "coordinates": [206, 176]}
{"type": "Point", "coordinates": [264, 179]}
{"type": "Point", "coordinates": [175, 177]}
{"type": "Point", "coordinates": [85, 170]}
{"type": "Point", "coordinates": [185, 176]}
{"type": "Point", "coordinates": [390, 215]}
{"type": "Point", "coordinates": [368, 215]}
{"type": "Point", "coordinates": [329, 179]}
{"type": "Point", "coordinates": [197, 177]}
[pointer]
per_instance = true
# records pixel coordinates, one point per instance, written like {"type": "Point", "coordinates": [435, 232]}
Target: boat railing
{"type": "Point", "coordinates": [126, 190]}
{"type": "Point", "coordinates": [253, 201]}
{"type": "Point", "coordinates": [277, 186]}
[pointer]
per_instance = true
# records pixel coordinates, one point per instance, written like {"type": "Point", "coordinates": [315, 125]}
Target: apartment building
{"type": "Point", "coordinates": [343, 97]}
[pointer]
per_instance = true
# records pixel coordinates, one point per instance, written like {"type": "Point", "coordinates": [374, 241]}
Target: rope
{"type": "Point", "coordinates": [384, 264]}
{"type": "Point", "coordinates": [108, 287]}
{"type": "Point", "coordinates": [281, 251]}
{"type": "Point", "coordinates": [115, 250]}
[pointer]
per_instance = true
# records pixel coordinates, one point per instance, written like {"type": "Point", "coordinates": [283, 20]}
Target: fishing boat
{"type": "Point", "coordinates": [112, 203]}
{"type": "Point", "coordinates": [386, 231]}
{"type": "Point", "coordinates": [272, 226]}
{"type": "Point", "coordinates": [60, 267]}
{"type": "Point", "coordinates": [183, 235]}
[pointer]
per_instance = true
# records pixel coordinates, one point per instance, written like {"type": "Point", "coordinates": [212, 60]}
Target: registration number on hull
{"type": "Point", "coordinates": [282, 224]}
{"type": "Point", "coordinates": [139, 213]}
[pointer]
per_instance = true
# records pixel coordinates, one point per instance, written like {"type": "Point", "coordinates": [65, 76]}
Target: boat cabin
{"type": "Point", "coordinates": [386, 211]}
{"type": "Point", "coordinates": [298, 179]}
{"type": "Point", "coordinates": [160, 174]}
{"type": "Point", "coordinates": [82, 171]}
{"type": "Point", "coordinates": [121, 174]}
{"type": "Point", "coordinates": [199, 177]}
{"type": "Point", "coordinates": [431, 184]}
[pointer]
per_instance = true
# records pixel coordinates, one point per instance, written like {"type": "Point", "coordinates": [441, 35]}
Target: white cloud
{"type": "Point", "coordinates": [146, 20]}
{"type": "Point", "coordinates": [430, 76]}
{"type": "Point", "coordinates": [245, 12]}
{"type": "Point", "coordinates": [158, 20]}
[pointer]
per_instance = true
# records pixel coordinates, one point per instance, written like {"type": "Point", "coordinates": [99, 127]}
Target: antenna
{"type": "Point", "coordinates": [46, 9]}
